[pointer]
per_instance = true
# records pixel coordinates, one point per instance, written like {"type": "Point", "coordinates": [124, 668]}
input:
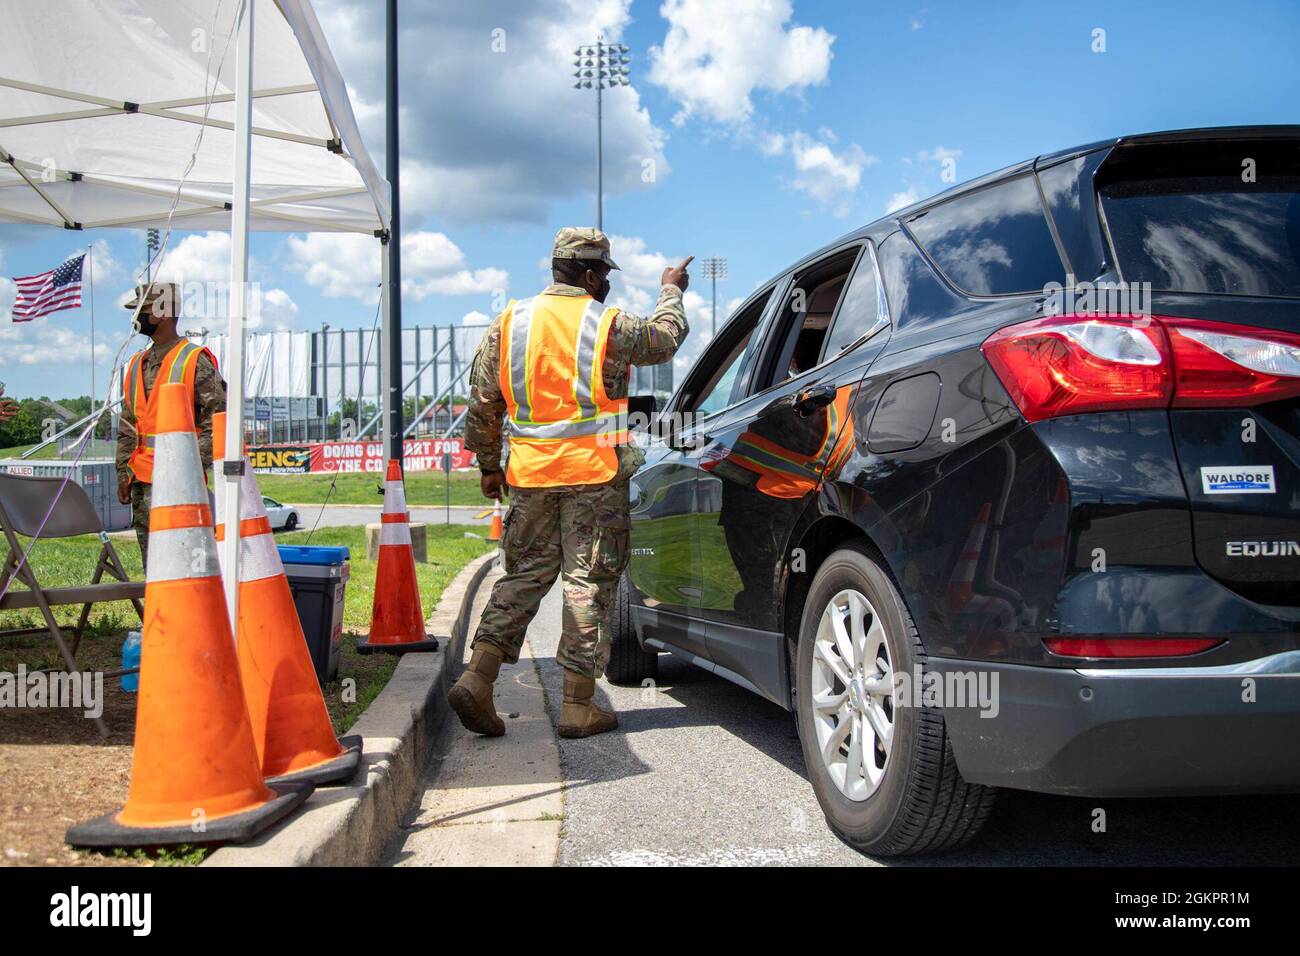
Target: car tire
{"type": "Point", "coordinates": [291, 522]}
{"type": "Point", "coordinates": [628, 662]}
{"type": "Point", "coordinates": [919, 803]}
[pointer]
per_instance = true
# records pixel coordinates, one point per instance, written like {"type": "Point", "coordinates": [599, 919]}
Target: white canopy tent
{"type": "Point", "coordinates": [101, 102]}
{"type": "Point", "coordinates": [112, 112]}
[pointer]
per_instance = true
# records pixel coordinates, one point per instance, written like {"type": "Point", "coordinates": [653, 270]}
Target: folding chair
{"type": "Point", "coordinates": [24, 503]}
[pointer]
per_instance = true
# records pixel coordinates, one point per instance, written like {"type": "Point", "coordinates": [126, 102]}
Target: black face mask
{"type": "Point", "coordinates": [145, 326]}
{"type": "Point", "coordinates": [601, 291]}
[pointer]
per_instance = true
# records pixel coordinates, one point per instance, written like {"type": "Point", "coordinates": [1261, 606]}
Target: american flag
{"type": "Point", "coordinates": [50, 291]}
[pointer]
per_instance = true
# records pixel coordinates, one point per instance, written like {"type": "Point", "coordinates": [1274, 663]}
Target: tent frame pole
{"type": "Point", "coordinates": [228, 484]}
{"type": "Point", "coordinates": [392, 410]}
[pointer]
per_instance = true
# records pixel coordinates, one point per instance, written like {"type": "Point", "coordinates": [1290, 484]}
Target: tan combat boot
{"type": "Point", "coordinates": [579, 717]}
{"type": "Point", "coordinates": [471, 696]}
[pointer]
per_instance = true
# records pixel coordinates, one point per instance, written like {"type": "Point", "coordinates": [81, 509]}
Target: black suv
{"type": "Point", "coordinates": [1002, 490]}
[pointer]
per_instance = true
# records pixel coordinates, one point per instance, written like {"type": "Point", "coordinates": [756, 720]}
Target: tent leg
{"type": "Point", "coordinates": [229, 483]}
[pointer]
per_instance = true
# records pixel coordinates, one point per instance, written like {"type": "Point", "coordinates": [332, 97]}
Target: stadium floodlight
{"type": "Point", "coordinates": [599, 66]}
{"type": "Point", "coordinates": [715, 267]}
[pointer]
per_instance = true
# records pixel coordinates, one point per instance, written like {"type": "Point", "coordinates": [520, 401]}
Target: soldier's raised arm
{"type": "Point", "coordinates": [654, 340]}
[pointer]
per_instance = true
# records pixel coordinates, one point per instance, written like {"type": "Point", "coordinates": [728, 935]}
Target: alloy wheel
{"type": "Point", "coordinates": [852, 694]}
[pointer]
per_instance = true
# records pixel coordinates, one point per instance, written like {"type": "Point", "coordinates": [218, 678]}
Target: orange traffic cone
{"type": "Point", "coordinates": [291, 727]}
{"type": "Point", "coordinates": [494, 532]}
{"type": "Point", "coordinates": [195, 776]}
{"type": "Point", "coordinates": [396, 619]}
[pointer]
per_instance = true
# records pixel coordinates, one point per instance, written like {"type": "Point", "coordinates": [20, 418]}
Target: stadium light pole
{"type": "Point", "coordinates": [600, 66]}
{"type": "Point", "coordinates": [715, 267]}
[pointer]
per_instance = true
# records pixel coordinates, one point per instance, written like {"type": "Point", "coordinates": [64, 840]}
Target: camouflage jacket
{"type": "Point", "coordinates": [209, 398]}
{"type": "Point", "coordinates": [632, 341]}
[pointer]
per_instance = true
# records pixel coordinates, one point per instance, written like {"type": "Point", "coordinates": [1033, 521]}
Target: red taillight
{"type": "Point", "coordinates": [1130, 646]}
{"type": "Point", "coordinates": [1074, 363]}
{"type": "Point", "coordinates": [1080, 363]}
{"type": "Point", "coordinates": [1217, 364]}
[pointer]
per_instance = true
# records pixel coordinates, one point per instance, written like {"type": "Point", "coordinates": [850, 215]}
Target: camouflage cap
{"type": "Point", "coordinates": [582, 242]}
{"type": "Point", "coordinates": [164, 295]}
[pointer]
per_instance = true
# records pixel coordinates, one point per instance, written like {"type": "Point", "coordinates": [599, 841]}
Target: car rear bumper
{"type": "Point", "coordinates": [1132, 731]}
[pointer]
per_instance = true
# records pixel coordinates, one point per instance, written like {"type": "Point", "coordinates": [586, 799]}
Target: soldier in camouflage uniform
{"type": "Point", "coordinates": [579, 532]}
{"type": "Point", "coordinates": [157, 319]}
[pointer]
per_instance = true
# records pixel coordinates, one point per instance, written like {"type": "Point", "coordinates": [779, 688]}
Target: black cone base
{"type": "Point", "coordinates": [105, 831]}
{"type": "Point", "coordinates": [337, 771]}
{"type": "Point", "coordinates": [410, 647]}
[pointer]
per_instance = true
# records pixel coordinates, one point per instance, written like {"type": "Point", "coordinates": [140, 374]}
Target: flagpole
{"type": "Point", "coordinates": [90, 282]}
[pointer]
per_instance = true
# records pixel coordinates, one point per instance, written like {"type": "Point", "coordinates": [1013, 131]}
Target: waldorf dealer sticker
{"type": "Point", "coordinates": [1238, 480]}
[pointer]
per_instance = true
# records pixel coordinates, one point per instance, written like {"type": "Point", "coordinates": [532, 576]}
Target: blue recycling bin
{"type": "Point", "coordinates": [318, 578]}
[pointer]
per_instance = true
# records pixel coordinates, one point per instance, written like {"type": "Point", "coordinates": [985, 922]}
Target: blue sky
{"type": "Point", "coordinates": [771, 128]}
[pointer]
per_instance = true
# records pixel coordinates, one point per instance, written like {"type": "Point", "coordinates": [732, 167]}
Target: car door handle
{"type": "Point", "coordinates": [811, 399]}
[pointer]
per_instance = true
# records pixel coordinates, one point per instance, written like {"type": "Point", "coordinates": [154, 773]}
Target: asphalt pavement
{"type": "Point", "coordinates": [701, 771]}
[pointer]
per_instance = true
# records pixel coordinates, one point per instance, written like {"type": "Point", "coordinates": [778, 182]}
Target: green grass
{"type": "Point", "coordinates": [49, 451]}
{"type": "Point", "coordinates": [422, 488]}
{"type": "Point", "coordinates": [68, 561]}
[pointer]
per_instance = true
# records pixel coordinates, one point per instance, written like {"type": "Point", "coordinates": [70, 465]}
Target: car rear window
{"type": "Point", "coordinates": [1217, 217]}
{"type": "Point", "coordinates": [1211, 234]}
{"type": "Point", "coordinates": [994, 241]}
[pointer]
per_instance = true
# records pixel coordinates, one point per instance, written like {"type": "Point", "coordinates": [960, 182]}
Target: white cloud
{"type": "Point", "coordinates": [716, 53]}
{"type": "Point", "coordinates": [901, 199]}
{"type": "Point", "coordinates": [828, 176]}
{"type": "Point", "coordinates": [277, 309]}
{"type": "Point", "coordinates": [492, 128]}
{"type": "Point", "coordinates": [475, 317]}
{"type": "Point", "coordinates": [40, 341]}
{"type": "Point", "coordinates": [345, 265]}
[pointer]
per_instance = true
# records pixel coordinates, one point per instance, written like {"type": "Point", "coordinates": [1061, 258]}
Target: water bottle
{"type": "Point", "coordinates": [131, 658]}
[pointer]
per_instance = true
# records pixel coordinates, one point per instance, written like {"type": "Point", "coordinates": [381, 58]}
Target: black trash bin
{"type": "Point", "coordinates": [318, 577]}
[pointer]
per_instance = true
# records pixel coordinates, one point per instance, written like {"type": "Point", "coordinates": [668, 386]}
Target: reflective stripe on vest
{"type": "Point", "coordinates": [561, 425]}
{"type": "Point", "coordinates": [179, 365]}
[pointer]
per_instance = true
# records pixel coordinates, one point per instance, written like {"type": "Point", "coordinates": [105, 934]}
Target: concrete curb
{"type": "Point", "coordinates": [352, 825]}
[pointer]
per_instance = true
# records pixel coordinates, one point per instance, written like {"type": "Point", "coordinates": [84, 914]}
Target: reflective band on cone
{"type": "Point", "coordinates": [396, 618]}
{"type": "Point", "coordinates": [291, 725]}
{"type": "Point", "coordinates": [195, 774]}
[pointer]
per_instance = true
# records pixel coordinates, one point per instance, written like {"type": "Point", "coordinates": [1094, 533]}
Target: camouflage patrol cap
{"type": "Point", "coordinates": [160, 297]}
{"type": "Point", "coordinates": [582, 242]}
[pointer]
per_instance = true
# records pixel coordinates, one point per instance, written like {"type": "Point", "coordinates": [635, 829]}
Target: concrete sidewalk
{"type": "Point", "coordinates": [491, 801]}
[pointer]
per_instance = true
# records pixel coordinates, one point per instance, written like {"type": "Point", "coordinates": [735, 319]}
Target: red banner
{"type": "Point", "coordinates": [419, 454]}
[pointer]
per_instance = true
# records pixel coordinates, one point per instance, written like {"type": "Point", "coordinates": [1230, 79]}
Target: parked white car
{"type": "Point", "coordinates": [283, 518]}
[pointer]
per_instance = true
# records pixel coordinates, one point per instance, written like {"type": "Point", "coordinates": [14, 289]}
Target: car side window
{"type": "Point", "coordinates": [994, 241]}
{"type": "Point", "coordinates": [860, 309]}
{"type": "Point", "coordinates": [916, 294]}
{"type": "Point", "coordinates": [723, 369]}
{"type": "Point", "coordinates": [799, 330]}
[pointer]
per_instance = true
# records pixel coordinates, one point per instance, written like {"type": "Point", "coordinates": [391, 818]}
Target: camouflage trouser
{"type": "Point", "coordinates": [580, 533]}
{"type": "Point", "coordinates": [140, 495]}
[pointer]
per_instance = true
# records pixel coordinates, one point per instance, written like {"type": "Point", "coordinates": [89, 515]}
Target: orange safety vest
{"type": "Point", "coordinates": [563, 428]}
{"type": "Point", "coordinates": [179, 365]}
{"type": "Point", "coordinates": [783, 473]}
